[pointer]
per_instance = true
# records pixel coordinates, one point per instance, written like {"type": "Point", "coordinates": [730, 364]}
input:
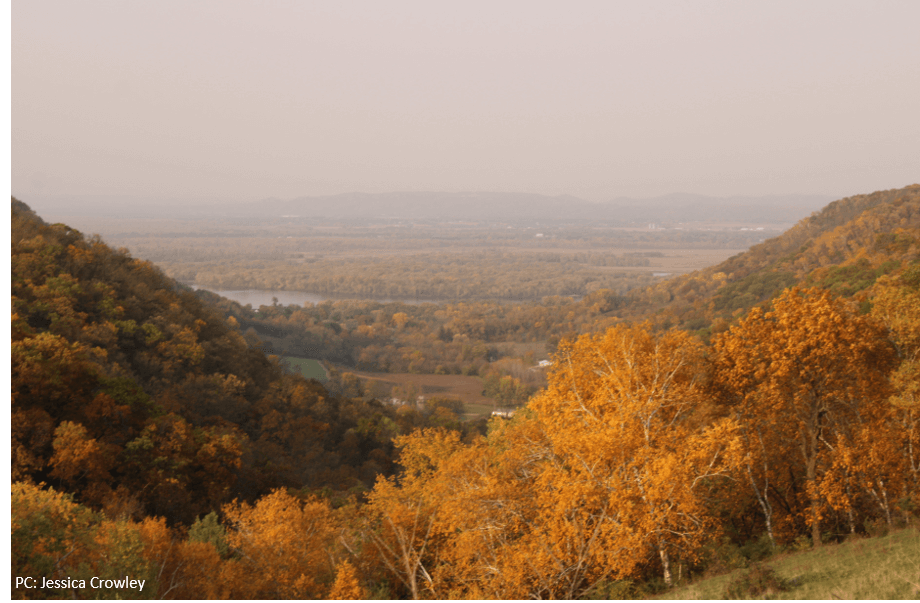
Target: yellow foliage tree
{"type": "Point", "coordinates": [811, 368]}
{"type": "Point", "coordinates": [897, 305]}
{"type": "Point", "coordinates": [632, 453]}
{"type": "Point", "coordinates": [183, 569]}
{"type": "Point", "coordinates": [402, 515]}
{"type": "Point", "coordinates": [81, 461]}
{"type": "Point", "coordinates": [283, 544]}
{"type": "Point", "coordinates": [53, 537]}
{"type": "Point", "coordinates": [346, 585]}
{"type": "Point", "coordinates": [606, 470]}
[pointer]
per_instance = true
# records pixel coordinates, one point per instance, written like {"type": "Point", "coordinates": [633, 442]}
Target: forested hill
{"type": "Point", "coordinates": [139, 398]}
{"type": "Point", "coordinates": [845, 247]}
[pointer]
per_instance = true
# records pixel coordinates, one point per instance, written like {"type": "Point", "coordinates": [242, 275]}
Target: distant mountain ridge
{"type": "Point", "coordinates": [478, 206]}
{"type": "Point", "coordinates": [688, 207]}
{"type": "Point", "coordinates": [463, 206]}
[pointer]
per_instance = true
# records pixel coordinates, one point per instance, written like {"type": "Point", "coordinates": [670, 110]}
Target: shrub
{"type": "Point", "coordinates": [759, 582]}
{"type": "Point", "coordinates": [210, 531]}
{"type": "Point", "coordinates": [876, 527]}
{"type": "Point", "coordinates": [616, 590]}
{"type": "Point", "coordinates": [759, 549]}
{"type": "Point", "coordinates": [723, 557]}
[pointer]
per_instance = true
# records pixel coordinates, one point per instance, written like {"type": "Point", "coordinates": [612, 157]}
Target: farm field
{"type": "Point", "coordinates": [462, 387]}
{"type": "Point", "coordinates": [309, 368]}
{"type": "Point", "coordinates": [682, 261]}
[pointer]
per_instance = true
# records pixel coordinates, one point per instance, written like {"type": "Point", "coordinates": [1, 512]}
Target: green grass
{"type": "Point", "coordinates": [887, 567]}
{"type": "Point", "coordinates": [309, 368]}
{"type": "Point", "coordinates": [475, 410]}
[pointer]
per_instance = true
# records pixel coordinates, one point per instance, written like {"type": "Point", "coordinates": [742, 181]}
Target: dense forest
{"type": "Point", "coordinates": [703, 422]}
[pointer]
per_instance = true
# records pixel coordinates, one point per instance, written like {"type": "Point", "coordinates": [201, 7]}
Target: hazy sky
{"type": "Point", "coordinates": [247, 100]}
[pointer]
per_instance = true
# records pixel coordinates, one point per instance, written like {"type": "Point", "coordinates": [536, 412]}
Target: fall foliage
{"type": "Point", "coordinates": [807, 376]}
{"type": "Point", "coordinates": [150, 437]}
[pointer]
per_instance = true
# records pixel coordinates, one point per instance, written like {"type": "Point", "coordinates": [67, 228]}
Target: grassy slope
{"type": "Point", "coordinates": [865, 568]}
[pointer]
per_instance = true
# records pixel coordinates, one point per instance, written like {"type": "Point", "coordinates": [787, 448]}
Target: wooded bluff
{"type": "Point", "coordinates": [767, 400]}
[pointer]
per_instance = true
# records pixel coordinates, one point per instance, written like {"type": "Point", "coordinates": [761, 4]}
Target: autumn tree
{"type": "Point", "coordinates": [634, 457]}
{"type": "Point", "coordinates": [81, 462]}
{"type": "Point", "coordinates": [54, 537]}
{"type": "Point", "coordinates": [283, 545]}
{"type": "Point", "coordinates": [809, 370]}
{"type": "Point", "coordinates": [402, 514]}
{"type": "Point", "coordinates": [897, 305]}
{"type": "Point", "coordinates": [346, 585]}
{"type": "Point", "coordinates": [610, 469]}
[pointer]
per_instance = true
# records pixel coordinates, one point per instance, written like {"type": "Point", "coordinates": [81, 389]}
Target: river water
{"type": "Point", "coordinates": [258, 297]}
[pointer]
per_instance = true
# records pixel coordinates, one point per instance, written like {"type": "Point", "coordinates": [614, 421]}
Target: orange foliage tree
{"type": "Point", "coordinates": [402, 517]}
{"type": "Point", "coordinates": [807, 373]}
{"type": "Point", "coordinates": [284, 548]}
{"type": "Point", "coordinates": [608, 469]}
{"type": "Point", "coordinates": [634, 457]}
{"type": "Point", "coordinates": [897, 306]}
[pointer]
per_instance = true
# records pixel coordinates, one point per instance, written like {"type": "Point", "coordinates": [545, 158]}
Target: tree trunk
{"type": "Point", "coordinates": [850, 517]}
{"type": "Point", "coordinates": [665, 563]}
{"type": "Point", "coordinates": [810, 453]}
{"type": "Point", "coordinates": [812, 478]}
{"type": "Point", "coordinates": [765, 505]}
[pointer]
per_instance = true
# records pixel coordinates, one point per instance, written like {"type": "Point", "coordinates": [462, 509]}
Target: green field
{"type": "Point", "coordinates": [477, 410]}
{"type": "Point", "coordinates": [887, 567]}
{"type": "Point", "coordinates": [309, 368]}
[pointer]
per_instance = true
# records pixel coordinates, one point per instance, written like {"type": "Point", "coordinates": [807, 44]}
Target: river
{"type": "Point", "coordinates": [258, 297]}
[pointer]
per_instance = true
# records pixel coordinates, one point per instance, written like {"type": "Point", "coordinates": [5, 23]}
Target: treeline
{"type": "Point", "coordinates": [447, 276]}
{"type": "Point", "coordinates": [649, 457]}
{"type": "Point", "coordinates": [203, 241]}
{"type": "Point", "coordinates": [501, 343]}
{"type": "Point", "coordinates": [844, 248]}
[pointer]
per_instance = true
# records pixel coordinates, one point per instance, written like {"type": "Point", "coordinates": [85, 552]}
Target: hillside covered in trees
{"type": "Point", "coordinates": [766, 402]}
{"type": "Point", "coordinates": [131, 392]}
{"type": "Point", "coordinates": [844, 248]}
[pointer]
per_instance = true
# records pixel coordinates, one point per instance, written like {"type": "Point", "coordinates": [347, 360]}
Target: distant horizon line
{"type": "Point", "coordinates": [274, 198]}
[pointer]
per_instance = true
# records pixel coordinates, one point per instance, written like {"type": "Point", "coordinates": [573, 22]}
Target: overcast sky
{"type": "Point", "coordinates": [246, 100]}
